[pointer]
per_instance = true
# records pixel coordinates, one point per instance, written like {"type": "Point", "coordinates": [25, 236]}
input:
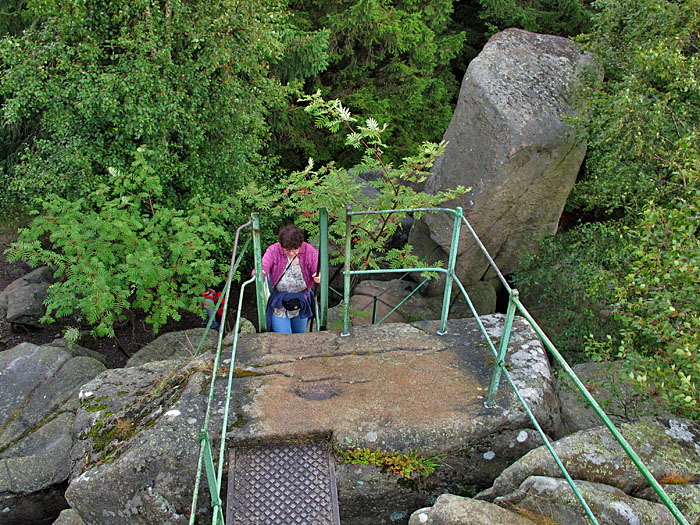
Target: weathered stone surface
{"type": "Point", "coordinates": [246, 327]}
{"type": "Point", "coordinates": [554, 499]}
{"type": "Point", "coordinates": [455, 510]}
{"type": "Point", "coordinates": [685, 496]}
{"type": "Point", "coordinates": [135, 457]}
{"type": "Point", "coordinates": [482, 294]}
{"type": "Point", "coordinates": [22, 302]}
{"type": "Point", "coordinates": [69, 517]}
{"type": "Point", "coordinates": [369, 496]}
{"type": "Point", "coordinates": [40, 388]}
{"type": "Point", "coordinates": [608, 385]}
{"type": "Point", "coordinates": [31, 473]}
{"type": "Point", "coordinates": [359, 374]}
{"type": "Point", "coordinates": [509, 142]}
{"type": "Point", "coordinates": [76, 350]}
{"type": "Point", "coordinates": [666, 446]}
{"type": "Point", "coordinates": [483, 461]}
{"type": "Point", "coordinates": [385, 387]}
{"type": "Point", "coordinates": [48, 437]}
{"type": "Point", "coordinates": [24, 368]}
{"type": "Point", "coordinates": [175, 345]}
{"type": "Point", "coordinates": [381, 389]}
{"type": "Point", "coordinates": [52, 395]}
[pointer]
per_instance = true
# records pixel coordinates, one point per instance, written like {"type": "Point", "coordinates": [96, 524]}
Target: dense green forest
{"type": "Point", "coordinates": [140, 134]}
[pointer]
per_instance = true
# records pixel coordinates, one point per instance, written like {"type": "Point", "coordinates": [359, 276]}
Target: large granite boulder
{"type": "Point", "coordinates": [22, 302]}
{"type": "Point", "coordinates": [612, 485]}
{"type": "Point", "coordinates": [69, 517]}
{"type": "Point", "coordinates": [384, 362]}
{"type": "Point", "coordinates": [455, 510]}
{"type": "Point", "coordinates": [183, 344]}
{"type": "Point", "coordinates": [39, 387]}
{"type": "Point", "coordinates": [555, 501]}
{"type": "Point", "coordinates": [509, 142]}
{"type": "Point", "coordinates": [390, 387]}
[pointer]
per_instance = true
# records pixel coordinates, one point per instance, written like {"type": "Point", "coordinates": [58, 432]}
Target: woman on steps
{"type": "Point", "coordinates": [291, 266]}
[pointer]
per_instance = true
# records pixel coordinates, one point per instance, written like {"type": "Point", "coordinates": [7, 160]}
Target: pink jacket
{"type": "Point", "coordinates": [275, 261]}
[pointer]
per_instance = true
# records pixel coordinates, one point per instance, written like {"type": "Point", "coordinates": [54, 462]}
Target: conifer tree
{"type": "Point", "coordinates": [388, 58]}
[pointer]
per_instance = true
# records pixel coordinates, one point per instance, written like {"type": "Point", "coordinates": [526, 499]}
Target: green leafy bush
{"type": "Point", "coordinates": [189, 80]}
{"type": "Point", "coordinates": [385, 187]}
{"type": "Point", "coordinates": [122, 247]}
{"type": "Point", "coordinates": [572, 280]}
{"type": "Point", "coordinates": [642, 178]}
{"type": "Point", "coordinates": [645, 162]}
{"type": "Point", "coordinates": [659, 305]}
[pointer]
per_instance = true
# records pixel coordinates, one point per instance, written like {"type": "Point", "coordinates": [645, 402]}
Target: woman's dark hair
{"type": "Point", "coordinates": [291, 237]}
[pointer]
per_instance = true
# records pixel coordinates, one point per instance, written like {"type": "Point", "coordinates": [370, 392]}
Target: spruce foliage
{"type": "Point", "coordinates": [554, 17]}
{"type": "Point", "coordinates": [387, 58]}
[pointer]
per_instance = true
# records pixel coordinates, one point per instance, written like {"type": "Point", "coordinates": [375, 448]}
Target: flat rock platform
{"type": "Point", "coordinates": [394, 386]}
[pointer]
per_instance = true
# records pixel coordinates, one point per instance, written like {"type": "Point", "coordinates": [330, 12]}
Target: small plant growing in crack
{"type": "Point", "coordinates": [124, 429]}
{"type": "Point", "coordinates": [390, 461]}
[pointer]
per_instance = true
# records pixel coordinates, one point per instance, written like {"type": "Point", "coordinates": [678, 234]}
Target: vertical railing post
{"type": "Point", "coordinates": [218, 516]}
{"type": "Point", "coordinates": [346, 272]}
{"type": "Point", "coordinates": [259, 281]}
{"type": "Point", "coordinates": [500, 359]}
{"type": "Point", "coordinates": [323, 218]}
{"type": "Point", "coordinates": [450, 271]}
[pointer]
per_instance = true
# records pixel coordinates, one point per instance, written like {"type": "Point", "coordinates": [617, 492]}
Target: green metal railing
{"type": "Point", "coordinates": [214, 472]}
{"type": "Point", "coordinates": [206, 456]}
{"type": "Point", "coordinates": [500, 369]}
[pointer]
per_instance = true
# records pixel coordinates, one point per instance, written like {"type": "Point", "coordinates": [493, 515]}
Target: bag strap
{"type": "Point", "coordinates": [285, 270]}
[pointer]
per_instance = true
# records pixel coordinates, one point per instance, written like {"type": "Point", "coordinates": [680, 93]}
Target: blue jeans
{"type": "Point", "coordinates": [209, 307]}
{"type": "Point", "coordinates": [285, 325]}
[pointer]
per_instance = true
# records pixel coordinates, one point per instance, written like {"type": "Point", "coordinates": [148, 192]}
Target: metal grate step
{"type": "Point", "coordinates": [282, 484]}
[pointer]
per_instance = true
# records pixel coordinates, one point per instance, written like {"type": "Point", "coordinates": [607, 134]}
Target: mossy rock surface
{"type": "Point", "coordinates": [455, 510]}
{"type": "Point", "coordinates": [135, 455]}
{"type": "Point", "coordinates": [552, 500]}
{"type": "Point", "coordinates": [669, 447]}
{"type": "Point", "coordinates": [390, 387]}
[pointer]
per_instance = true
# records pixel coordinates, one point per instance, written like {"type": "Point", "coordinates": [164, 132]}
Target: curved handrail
{"type": "Point", "coordinates": [204, 439]}
{"type": "Point", "coordinates": [206, 459]}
